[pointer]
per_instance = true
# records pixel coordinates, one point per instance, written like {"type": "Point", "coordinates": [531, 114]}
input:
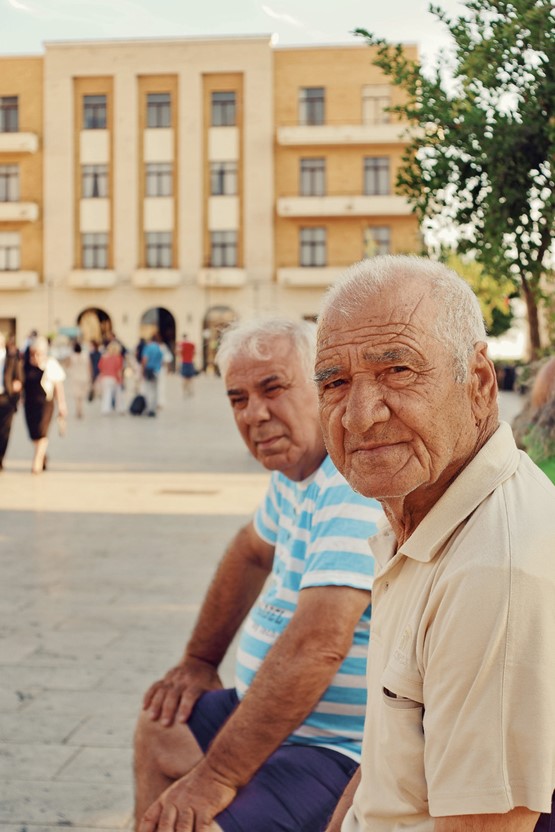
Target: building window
{"type": "Point", "coordinates": [94, 112]}
{"type": "Point", "coordinates": [313, 247]}
{"type": "Point", "coordinates": [313, 177]}
{"type": "Point", "coordinates": [10, 245]}
{"type": "Point", "coordinates": [223, 178]}
{"type": "Point", "coordinates": [159, 254]}
{"type": "Point", "coordinates": [158, 109]}
{"type": "Point", "coordinates": [311, 105]}
{"type": "Point", "coordinates": [9, 183]}
{"type": "Point", "coordinates": [94, 181]}
{"type": "Point", "coordinates": [94, 251]}
{"type": "Point", "coordinates": [376, 98]}
{"type": "Point", "coordinates": [223, 109]}
{"type": "Point", "coordinates": [377, 240]}
{"type": "Point", "coordinates": [223, 249]}
{"type": "Point", "coordinates": [9, 114]}
{"type": "Point", "coordinates": [376, 175]}
{"type": "Point", "coordinates": [159, 179]}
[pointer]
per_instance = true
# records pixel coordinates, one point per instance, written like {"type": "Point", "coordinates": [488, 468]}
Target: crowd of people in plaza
{"type": "Point", "coordinates": [121, 380]}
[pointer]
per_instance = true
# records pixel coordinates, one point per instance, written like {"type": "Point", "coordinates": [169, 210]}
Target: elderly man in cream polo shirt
{"type": "Point", "coordinates": [460, 723]}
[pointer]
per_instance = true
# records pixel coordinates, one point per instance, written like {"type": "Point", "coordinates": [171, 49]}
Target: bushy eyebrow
{"type": "Point", "coordinates": [324, 375]}
{"type": "Point", "coordinates": [264, 382]}
{"type": "Point", "coordinates": [400, 355]}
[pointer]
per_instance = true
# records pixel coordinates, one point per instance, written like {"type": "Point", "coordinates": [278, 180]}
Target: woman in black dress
{"type": "Point", "coordinates": [42, 386]}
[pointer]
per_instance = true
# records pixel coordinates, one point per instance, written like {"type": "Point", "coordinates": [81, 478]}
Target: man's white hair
{"type": "Point", "coordinates": [254, 339]}
{"type": "Point", "coordinates": [458, 323]}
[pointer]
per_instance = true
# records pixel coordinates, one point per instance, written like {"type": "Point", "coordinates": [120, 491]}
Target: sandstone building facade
{"type": "Point", "coordinates": [178, 184]}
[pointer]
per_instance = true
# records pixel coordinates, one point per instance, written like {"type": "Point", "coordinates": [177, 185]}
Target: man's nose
{"type": "Point", "coordinates": [364, 407]}
{"type": "Point", "coordinates": [256, 411]}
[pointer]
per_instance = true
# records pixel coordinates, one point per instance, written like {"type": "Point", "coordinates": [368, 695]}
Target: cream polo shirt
{"type": "Point", "coordinates": [461, 672]}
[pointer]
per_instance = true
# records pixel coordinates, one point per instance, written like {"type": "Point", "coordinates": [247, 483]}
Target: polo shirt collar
{"type": "Point", "coordinates": [494, 463]}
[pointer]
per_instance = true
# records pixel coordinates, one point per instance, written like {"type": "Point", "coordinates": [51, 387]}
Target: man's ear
{"type": "Point", "coordinates": [483, 383]}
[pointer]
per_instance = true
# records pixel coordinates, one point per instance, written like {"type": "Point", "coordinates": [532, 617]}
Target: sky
{"type": "Point", "coordinates": [26, 24]}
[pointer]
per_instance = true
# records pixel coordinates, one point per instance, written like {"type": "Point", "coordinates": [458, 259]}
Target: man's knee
{"type": "Point", "coordinates": [171, 750]}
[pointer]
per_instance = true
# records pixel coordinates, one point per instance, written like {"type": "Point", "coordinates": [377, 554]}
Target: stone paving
{"type": "Point", "coordinates": [103, 562]}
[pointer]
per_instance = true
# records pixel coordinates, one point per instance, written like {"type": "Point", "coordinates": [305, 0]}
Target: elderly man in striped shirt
{"type": "Point", "coordinates": [275, 751]}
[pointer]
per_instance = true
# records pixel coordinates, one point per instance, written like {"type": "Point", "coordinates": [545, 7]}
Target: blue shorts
{"type": "Point", "coordinates": [188, 370]}
{"type": "Point", "coordinates": [296, 789]}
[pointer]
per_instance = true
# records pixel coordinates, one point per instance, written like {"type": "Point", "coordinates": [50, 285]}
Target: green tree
{"type": "Point", "coordinates": [481, 157]}
{"type": "Point", "coordinates": [494, 295]}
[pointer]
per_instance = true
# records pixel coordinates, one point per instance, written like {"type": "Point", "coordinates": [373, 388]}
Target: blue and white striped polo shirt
{"type": "Point", "coordinates": [320, 529]}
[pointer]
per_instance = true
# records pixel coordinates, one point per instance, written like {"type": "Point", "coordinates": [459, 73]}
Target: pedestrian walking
{"type": "Point", "coordinates": [152, 364]}
{"type": "Point", "coordinates": [110, 369]}
{"type": "Point", "coordinates": [10, 389]}
{"type": "Point", "coordinates": [80, 376]}
{"type": "Point", "coordinates": [188, 371]}
{"type": "Point", "coordinates": [43, 388]}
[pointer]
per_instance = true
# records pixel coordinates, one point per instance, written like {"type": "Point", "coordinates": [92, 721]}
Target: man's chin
{"type": "Point", "coordinates": [378, 487]}
{"type": "Point", "coordinates": [272, 461]}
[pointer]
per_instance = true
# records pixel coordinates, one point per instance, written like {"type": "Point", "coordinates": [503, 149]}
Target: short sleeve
{"type": "Point", "coordinates": [339, 553]}
{"type": "Point", "coordinates": [266, 517]}
{"type": "Point", "coordinates": [55, 371]}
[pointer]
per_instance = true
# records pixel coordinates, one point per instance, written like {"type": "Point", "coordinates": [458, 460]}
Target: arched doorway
{"type": "Point", "coordinates": [217, 318]}
{"type": "Point", "coordinates": [95, 325]}
{"type": "Point", "coordinates": [159, 320]}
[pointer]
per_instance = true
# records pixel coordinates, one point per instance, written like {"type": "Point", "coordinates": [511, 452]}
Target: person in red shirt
{"type": "Point", "coordinates": [188, 372]}
{"type": "Point", "coordinates": [110, 373]}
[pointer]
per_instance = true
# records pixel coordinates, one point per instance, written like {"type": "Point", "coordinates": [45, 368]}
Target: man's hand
{"type": "Point", "coordinates": [190, 804]}
{"type": "Point", "coordinates": [173, 697]}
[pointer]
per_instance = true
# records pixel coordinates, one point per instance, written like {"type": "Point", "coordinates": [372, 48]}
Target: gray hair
{"type": "Point", "coordinates": [254, 340]}
{"type": "Point", "coordinates": [459, 323]}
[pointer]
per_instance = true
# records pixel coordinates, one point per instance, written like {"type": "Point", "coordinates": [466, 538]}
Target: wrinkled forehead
{"type": "Point", "coordinates": [397, 308]}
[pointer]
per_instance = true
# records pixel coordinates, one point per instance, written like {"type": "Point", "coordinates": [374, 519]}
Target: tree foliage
{"type": "Point", "coordinates": [481, 159]}
{"type": "Point", "coordinates": [493, 295]}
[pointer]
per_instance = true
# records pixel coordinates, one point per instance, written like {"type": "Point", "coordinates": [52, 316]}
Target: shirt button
{"type": "Point", "coordinates": [386, 586]}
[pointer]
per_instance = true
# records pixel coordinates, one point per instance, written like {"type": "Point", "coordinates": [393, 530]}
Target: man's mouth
{"type": "Point", "coordinates": [266, 442]}
{"type": "Point", "coordinates": [373, 448]}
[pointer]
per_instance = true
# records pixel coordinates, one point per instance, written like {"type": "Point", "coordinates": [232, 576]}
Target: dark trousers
{"type": "Point", "coordinates": [546, 823]}
{"type": "Point", "coordinates": [7, 411]}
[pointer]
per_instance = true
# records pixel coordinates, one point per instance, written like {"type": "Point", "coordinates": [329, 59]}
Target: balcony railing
{"type": "Point", "coordinates": [225, 278]}
{"type": "Point", "coordinates": [92, 279]}
{"type": "Point", "coordinates": [19, 143]}
{"type": "Point", "coordinates": [343, 206]}
{"type": "Point", "coordinates": [330, 134]}
{"type": "Point", "coordinates": [19, 211]}
{"type": "Point", "coordinates": [156, 278]}
{"type": "Point", "coordinates": [18, 280]}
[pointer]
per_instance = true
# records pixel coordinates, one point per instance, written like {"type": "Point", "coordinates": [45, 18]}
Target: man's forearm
{"type": "Point", "coordinates": [344, 804]}
{"type": "Point", "coordinates": [286, 689]}
{"type": "Point", "coordinates": [284, 692]}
